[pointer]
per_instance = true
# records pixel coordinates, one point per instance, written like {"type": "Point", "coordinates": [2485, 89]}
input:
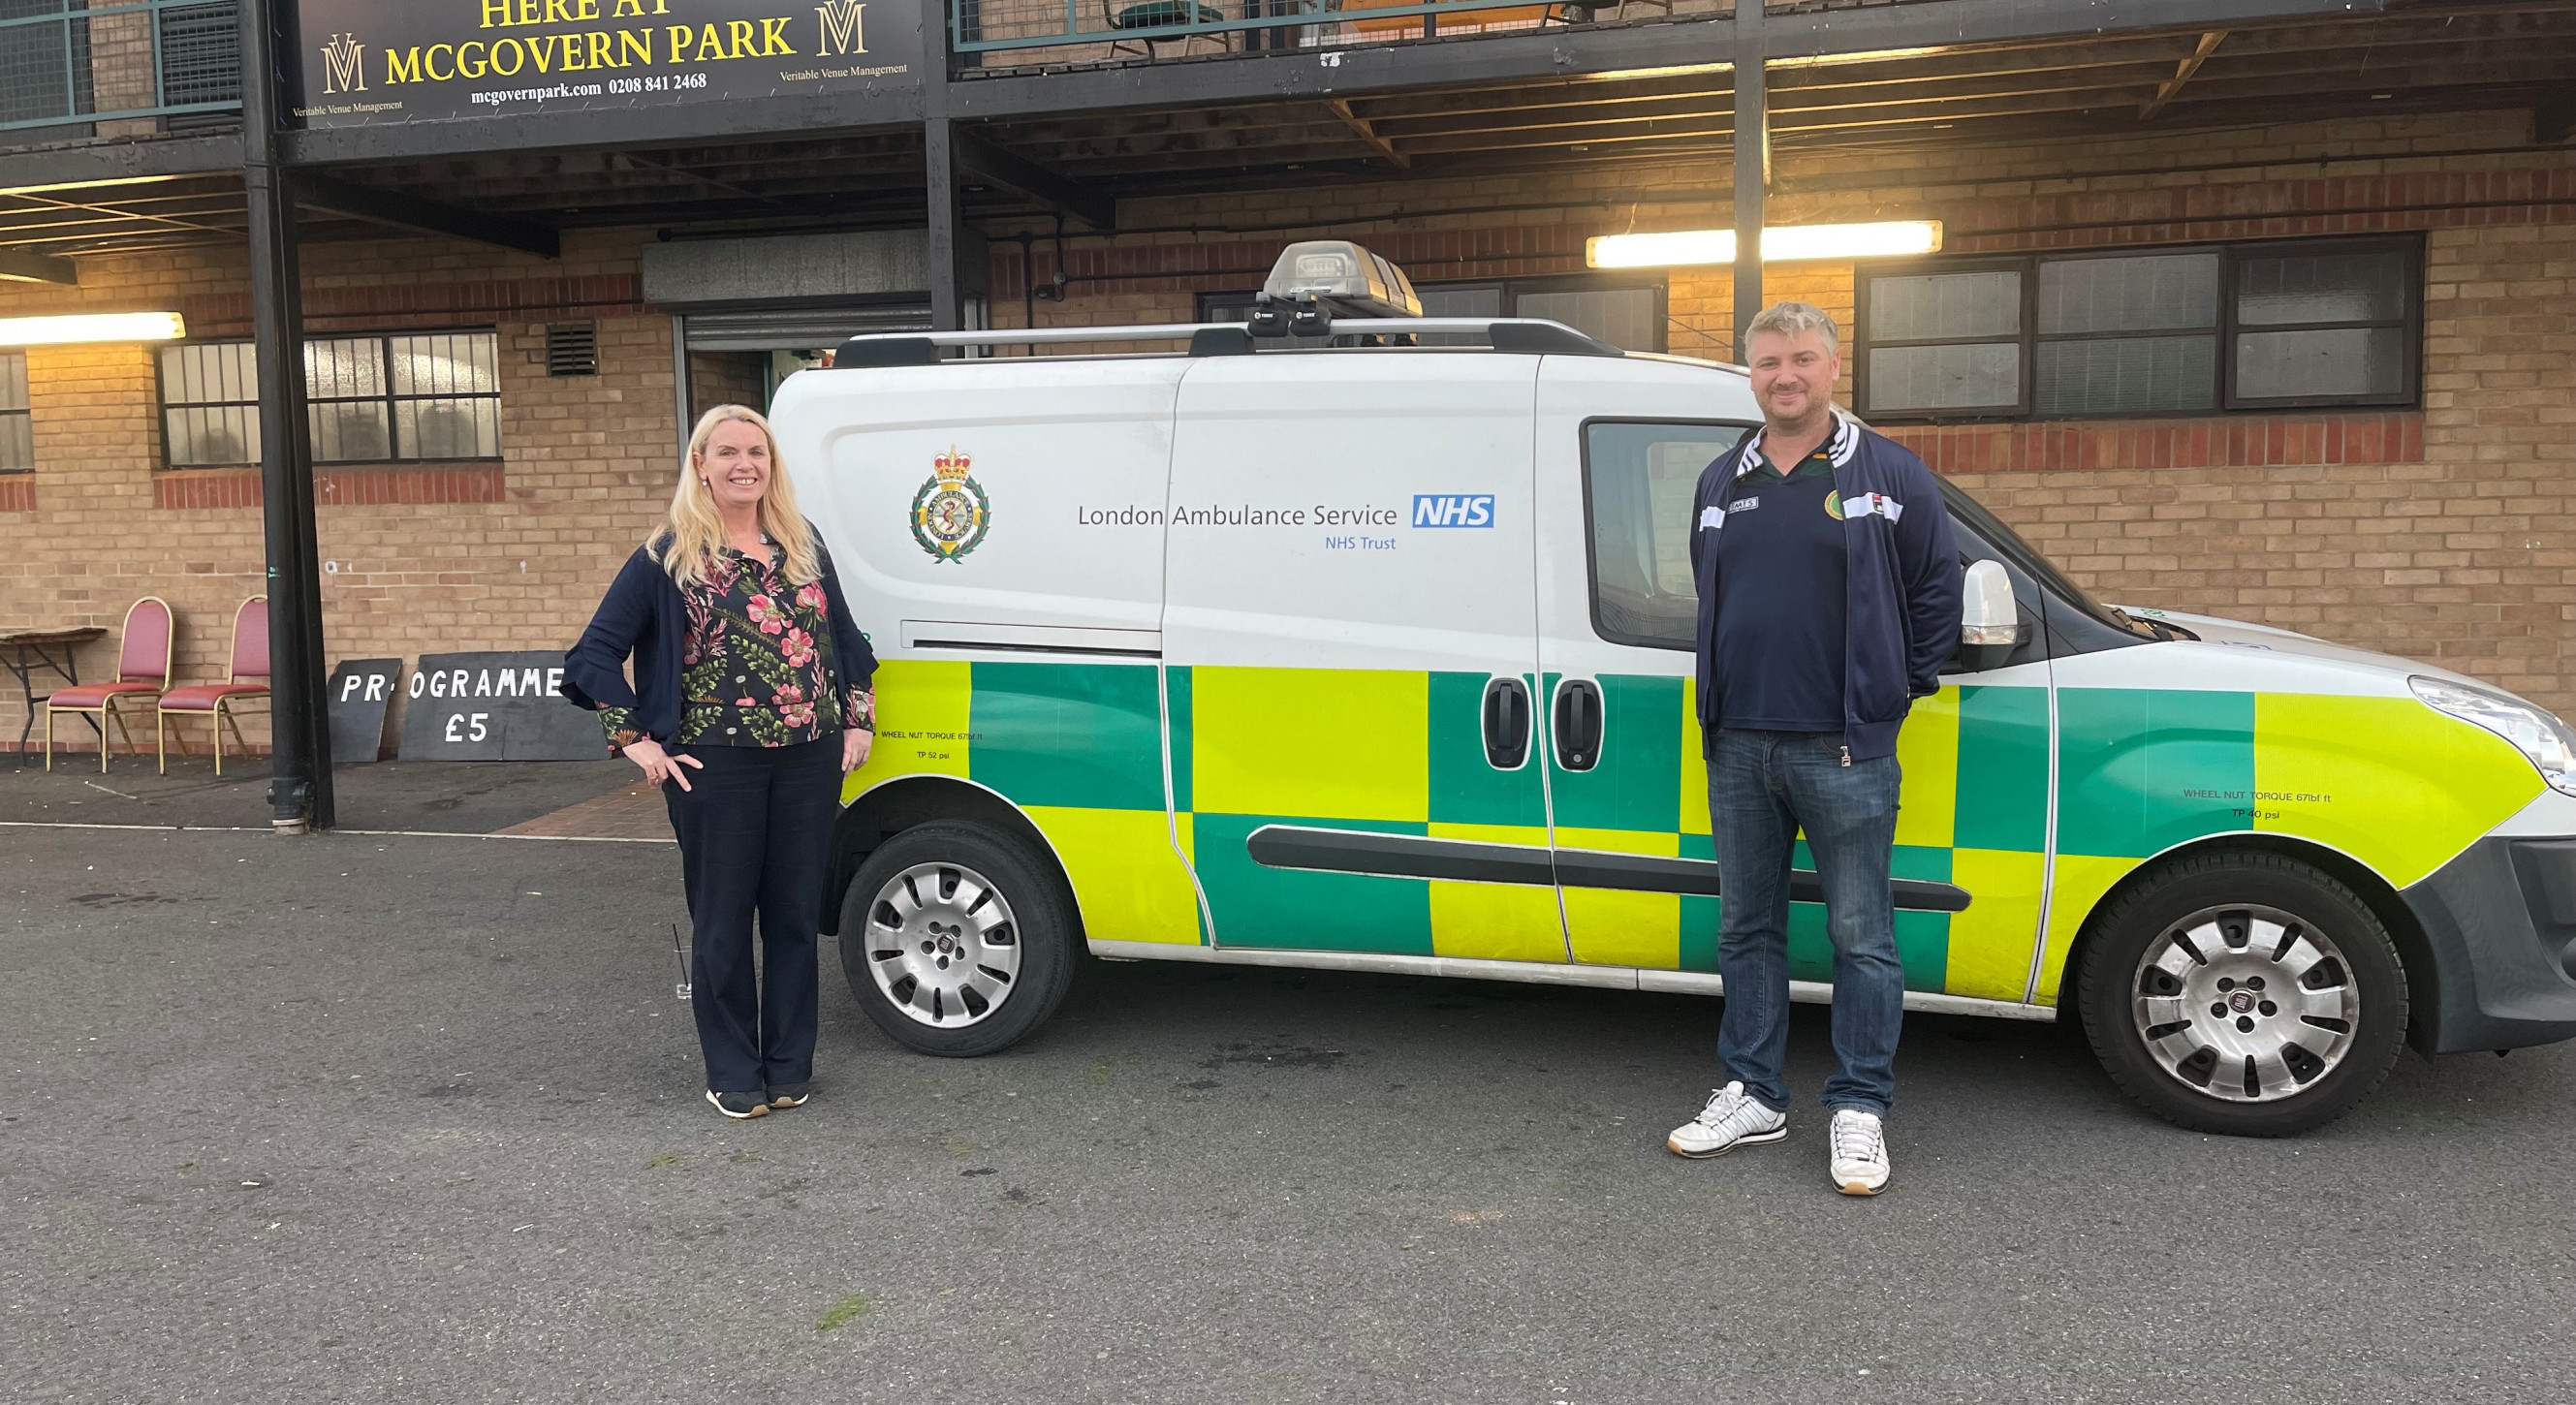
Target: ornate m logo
{"type": "Point", "coordinates": [844, 26]}
{"type": "Point", "coordinates": [344, 65]}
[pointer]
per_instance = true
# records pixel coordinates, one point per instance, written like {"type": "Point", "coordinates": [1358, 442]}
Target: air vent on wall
{"type": "Point", "coordinates": [572, 349]}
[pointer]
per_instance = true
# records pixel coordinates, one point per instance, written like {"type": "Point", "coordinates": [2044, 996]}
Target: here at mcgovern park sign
{"type": "Point", "coordinates": [383, 61]}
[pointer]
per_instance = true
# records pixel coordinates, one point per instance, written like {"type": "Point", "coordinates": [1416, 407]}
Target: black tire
{"type": "Point", "coordinates": [2228, 895]}
{"type": "Point", "coordinates": [1041, 923]}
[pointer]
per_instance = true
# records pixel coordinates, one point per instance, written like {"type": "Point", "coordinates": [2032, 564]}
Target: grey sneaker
{"type": "Point", "coordinates": [1731, 1119]}
{"type": "Point", "coordinates": [1859, 1157]}
{"type": "Point", "coordinates": [786, 1095]}
{"type": "Point", "coordinates": [740, 1105]}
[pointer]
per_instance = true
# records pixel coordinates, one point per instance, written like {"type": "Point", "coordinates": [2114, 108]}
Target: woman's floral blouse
{"type": "Point", "coordinates": [756, 667]}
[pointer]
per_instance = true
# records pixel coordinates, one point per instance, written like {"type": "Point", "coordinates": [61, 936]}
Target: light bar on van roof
{"type": "Point", "coordinates": [1513, 334]}
{"type": "Point", "coordinates": [1344, 277]}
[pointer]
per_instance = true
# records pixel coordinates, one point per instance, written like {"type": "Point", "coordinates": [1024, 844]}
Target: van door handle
{"type": "Point", "coordinates": [1507, 723]}
{"type": "Point", "coordinates": [1578, 724]}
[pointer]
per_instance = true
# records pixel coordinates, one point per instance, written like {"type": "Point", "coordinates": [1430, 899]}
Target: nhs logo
{"type": "Point", "coordinates": [1453, 510]}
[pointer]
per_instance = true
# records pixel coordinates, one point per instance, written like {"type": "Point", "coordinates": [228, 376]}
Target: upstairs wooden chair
{"type": "Point", "coordinates": [142, 672]}
{"type": "Point", "coordinates": [1156, 14]}
{"type": "Point", "coordinates": [1589, 11]}
{"type": "Point", "coordinates": [222, 701]}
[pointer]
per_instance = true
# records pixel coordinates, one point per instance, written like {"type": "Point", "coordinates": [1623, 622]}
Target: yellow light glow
{"type": "Point", "coordinates": [1675, 71]}
{"type": "Point", "coordinates": [1687, 246]}
{"type": "Point", "coordinates": [1780, 244]}
{"type": "Point", "coordinates": [1882, 240]}
{"type": "Point", "coordinates": [92, 327]}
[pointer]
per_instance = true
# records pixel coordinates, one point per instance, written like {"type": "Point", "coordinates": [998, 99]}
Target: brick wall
{"type": "Point", "coordinates": [726, 378]}
{"type": "Point", "coordinates": [2451, 546]}
{"type": "Point", "coordinates": [513, 560]}
{"type": "Point", "coordinates": [121, 71]}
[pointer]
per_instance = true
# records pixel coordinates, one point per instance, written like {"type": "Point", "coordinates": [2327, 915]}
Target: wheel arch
{"type": "Point", "coordinates": [2414, 949]}
{"type": "Point", "coordinates": [893, 806]}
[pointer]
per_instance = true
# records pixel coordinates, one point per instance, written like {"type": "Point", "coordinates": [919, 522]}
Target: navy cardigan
{"type": "Point", "coordinates": [644, 615]}
{"type": "Point", "coordinates": [1902, 570]}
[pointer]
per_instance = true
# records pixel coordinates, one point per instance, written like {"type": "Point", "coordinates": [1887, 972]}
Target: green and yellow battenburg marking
{"type": "Point", "coordinates": [1091, 752]}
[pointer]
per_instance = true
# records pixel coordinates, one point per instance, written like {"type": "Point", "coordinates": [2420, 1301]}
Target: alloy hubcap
{"type": "Point", "coordinates": [2246, 1004]}
{"type": "Point", "coordinates": [942, 946]}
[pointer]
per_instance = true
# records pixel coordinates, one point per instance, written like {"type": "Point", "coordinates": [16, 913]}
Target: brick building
{"type": "Point", "coordinates": [2270, 321]}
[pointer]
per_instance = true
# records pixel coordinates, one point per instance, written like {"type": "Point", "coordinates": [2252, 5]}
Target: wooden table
{"type": "Point", "coordinates": [27, 650]}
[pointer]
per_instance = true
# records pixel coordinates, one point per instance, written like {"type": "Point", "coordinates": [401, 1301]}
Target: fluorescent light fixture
{"type": "Point", "coordinates": [1660, 250]}
{"type": "Point", "coordinates": [1678, 70]}
{"type": "Point", "coordinates": [1780, 244]}
{"type": "Point", "coordinates": [92, 327]}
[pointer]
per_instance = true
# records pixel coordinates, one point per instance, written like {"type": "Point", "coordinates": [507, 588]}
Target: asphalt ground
{"type": "Point", "coordinates": [433, 796]}
{"type": "Point", "coordinates": [416, 1119]}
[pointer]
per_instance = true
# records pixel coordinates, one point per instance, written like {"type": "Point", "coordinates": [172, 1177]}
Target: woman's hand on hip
{"type": "Point", "coordinates": [854, 748]}
{"type": "Point", "coordinates": [659, 765]}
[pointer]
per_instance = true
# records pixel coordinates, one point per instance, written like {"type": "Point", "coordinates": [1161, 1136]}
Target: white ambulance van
{"type": "Point", "coordinates": [1290, 651]}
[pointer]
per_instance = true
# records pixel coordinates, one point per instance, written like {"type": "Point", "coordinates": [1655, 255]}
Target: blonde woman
{"type": "Point", "coordinates": [751, 700]}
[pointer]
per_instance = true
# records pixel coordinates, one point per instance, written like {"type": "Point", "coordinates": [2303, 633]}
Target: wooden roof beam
{"type": "Point", "coordinates": [1367, 133]}
{"type": "Point", "coordinates": [2182, 74]}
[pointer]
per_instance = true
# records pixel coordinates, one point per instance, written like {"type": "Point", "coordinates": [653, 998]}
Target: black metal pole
{"type": "Point", "coordinates": [946, 193]}
{"type": "Point", "coordinates": [1752, 168]}
{"type": "Point", "coordinates": [299, 716]}
{"type": "Point", "coordinates": [947, 213]}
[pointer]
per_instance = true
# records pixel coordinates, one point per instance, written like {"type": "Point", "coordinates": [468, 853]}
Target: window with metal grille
{"type": "Point", "coordinates": [209, 404]}
{"type": "Point", "coordinates": [44, 63]}
{"type": "Point", "coordinates": [201, 53]}
{"type": "Point", "coordinates": [572, 349]}
{"type": "Point", "coordinates": [2186, 331]}
{"type": "Point", "coordinates": [383, 399]}
{"type": "Point", "coordinates": [17, 425]}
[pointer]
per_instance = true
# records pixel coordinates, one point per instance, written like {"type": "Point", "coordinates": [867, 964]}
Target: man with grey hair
{"type": "Point", "coordinates": [1828, 600]}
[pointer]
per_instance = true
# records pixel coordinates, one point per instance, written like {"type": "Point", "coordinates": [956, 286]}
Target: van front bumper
{"type": "Point", "coordinates": [2501, 922]}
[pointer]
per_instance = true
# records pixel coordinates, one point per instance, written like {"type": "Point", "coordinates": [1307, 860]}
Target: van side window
{"type": "Point", "coordinates": [1638, 483]}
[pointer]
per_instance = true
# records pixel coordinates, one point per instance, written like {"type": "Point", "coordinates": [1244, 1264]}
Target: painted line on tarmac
{"type": "Point", "coordinates": [154, 828]}
{"type": "Point", "coordinates": [366, 833]}
{"type": "Point", "coordinates": [539, 838]}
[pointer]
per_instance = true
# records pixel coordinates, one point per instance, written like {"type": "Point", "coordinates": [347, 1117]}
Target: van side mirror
{"type": "Point", "coordinates": [1990, 625]}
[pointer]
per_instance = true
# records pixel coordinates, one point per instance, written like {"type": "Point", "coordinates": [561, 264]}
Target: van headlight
{"type": "Point", "coordinates": [2539, 736]}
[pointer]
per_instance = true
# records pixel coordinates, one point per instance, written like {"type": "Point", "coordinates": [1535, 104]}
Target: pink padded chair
{"type": "Point", "coordinates": [222, 701]}
{"type": "Point", "coordinates": [142, 671]}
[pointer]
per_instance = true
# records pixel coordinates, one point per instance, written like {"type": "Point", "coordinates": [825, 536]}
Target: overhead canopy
{"type": "Point", "coordinates": [801, 329]}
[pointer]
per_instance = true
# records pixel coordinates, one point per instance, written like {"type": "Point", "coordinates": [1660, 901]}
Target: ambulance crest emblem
{"type": "Point", "coordinates": [950, 513]}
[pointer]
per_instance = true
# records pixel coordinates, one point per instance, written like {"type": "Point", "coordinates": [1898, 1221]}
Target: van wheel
{"type": "Point", "coordinates": [956, 939]}
{"type": "Point", "coordinates": [2246, 994]}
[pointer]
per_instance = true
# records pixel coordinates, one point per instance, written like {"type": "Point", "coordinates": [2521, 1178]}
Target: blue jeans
{"type": "Point", "coordinates": [1763, 789]}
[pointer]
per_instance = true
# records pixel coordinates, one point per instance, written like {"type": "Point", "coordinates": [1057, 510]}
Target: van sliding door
{"type": "Point", "coordinates": [1350, 654]}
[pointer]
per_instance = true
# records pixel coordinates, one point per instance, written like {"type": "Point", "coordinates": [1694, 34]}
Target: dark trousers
{"type": "Point", "coordinates": [1764, 789]}
{"type": "Point", "coordinates": [754, 828]}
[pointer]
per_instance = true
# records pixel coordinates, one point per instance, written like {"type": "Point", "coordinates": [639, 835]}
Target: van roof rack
{"type": "Point", "coordinates": [1528, 336]}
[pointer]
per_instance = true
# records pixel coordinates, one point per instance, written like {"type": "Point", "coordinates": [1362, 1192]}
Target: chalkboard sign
{"type": "Point", "coordinates": [495, 707]}
{"type": "Point", "coordinates": [361, 689]}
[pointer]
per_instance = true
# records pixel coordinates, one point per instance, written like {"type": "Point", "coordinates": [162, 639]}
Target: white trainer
{"type": "Point", "coordinates": [1859, 1164]}
{"type": "Point", "coordinates": [1731, 1119]}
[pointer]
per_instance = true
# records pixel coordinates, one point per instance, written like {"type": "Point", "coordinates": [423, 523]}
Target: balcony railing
{"type": "Point", "coordinates": [1025, 33]}
{"type": "Point", "coordinates": [71, 68]}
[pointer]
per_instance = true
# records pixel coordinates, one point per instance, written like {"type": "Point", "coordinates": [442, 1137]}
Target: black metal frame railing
{"type": "Point", "coordinates": [991, 33]}
{"type": "Point", "coordinates": [66, 63]}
